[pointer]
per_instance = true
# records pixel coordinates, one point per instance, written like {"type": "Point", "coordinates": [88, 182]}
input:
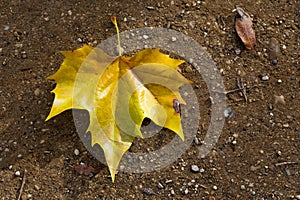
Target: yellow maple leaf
{"type": "Point", "coordinates": [119, 93]}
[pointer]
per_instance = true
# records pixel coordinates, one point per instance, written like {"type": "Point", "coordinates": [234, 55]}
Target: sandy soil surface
{"type": "Point", "coordinates": [257, 155]}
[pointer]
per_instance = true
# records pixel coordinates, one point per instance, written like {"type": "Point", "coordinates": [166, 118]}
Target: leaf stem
{"type": "Point", "coordinates": [114, 21]}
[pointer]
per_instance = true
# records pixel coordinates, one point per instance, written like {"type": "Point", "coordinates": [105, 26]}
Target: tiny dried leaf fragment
{"type": "Point", "coordinates": [84, 169]}
{"type": "Point", "coordinates": [244, 29]}
{"type": "Point", "coordinates": [273, 49]}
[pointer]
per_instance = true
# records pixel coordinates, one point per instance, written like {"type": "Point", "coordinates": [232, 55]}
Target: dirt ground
{"type": "Point", "coordinates": [257, 155]}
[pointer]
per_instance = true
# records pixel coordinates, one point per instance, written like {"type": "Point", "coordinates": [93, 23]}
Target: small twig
{"type": "Point", "coordinates": [22, 185]}
{"type": "Point", "coordinates": [285, 163]}
{"type": "Point", "coordinates": [227, 92]}
{"type": "Point", "coordinates": [240, 84]}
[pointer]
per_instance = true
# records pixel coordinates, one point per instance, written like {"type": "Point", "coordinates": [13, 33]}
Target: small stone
{"type": "Point", "coordinates": [214, 187]}
{"type": "Point", "coordinates": [288, 172]}
{"type": "Point", "coordinates": [183, 192]}
{"type": "Point", "coordinates": [145, 37]}
{"type": "Point", "coordinates": [147, 191]}
{"type": "Point", "coordinates": [186, 191]}
{"type": "Point", "coordinates": [274, 62]}
{"type": "Point", "coordinates": [261, 151]}
{"type": "Point", "coordinates": [201, 170]}
{"type": "Point", "coordinates": [172, 192]}
{"type": "Point", "coordinates": [298, 196]}
{"type": "Point", "coordinates": [42, 141]}
{"type": "Point", "coordinates": [19, 156]}
{"type": "Point", "coordinates": [251, 185]}
{"type": "Point", "coordinates": [79, 40]}
{"type": "Point", "coordinates": [150, 7]}
{"type": "Point", "coordinates": [76, 152]}
{"type": "Point", "coordinates": [69, 12]}
{"type": "Point", "coordinates": [285, 125]}
{"type": "Point", "coordinates": [191, 24]}
{"type": "Point", "coordinates": [196, 140]}
{"type": "Point", "coordinates": [29, 196]}
{"type": "Point", "coordinates": [91, 175]}
{"type": "Point", "coordinates": [5, 27]}
{"type": "Point", "coordinates": [160, 186]}
{"type": "Point", "coordinates": [4, 62]}
{"type": "Point", "coordinates": [279, 99]}
{"type": "Point", "coordinates": [228, 62]}
{"type": "Point", "coordinates": [243, 187]}
{"type": "Point", "coordinates": [253, 193]}
{"type": "Point", "coordinates": [284, 47]}
{"type": "Point", "coordinates": [17, 173]}
{"type": "Point", "coordinates": [10, 167]}
{"type": "Point", "coordinates": [37, 92]}
{"type": "Point", "coordinates": [265, 78]}
{"type": "Point", "coordinates": [173, 39]}
{"type": "Point", "coordinates": [237, 51]}
{"type": "Point", "coordinates": [36, 187]}
{"type": "Point", "coordinates": [168, 181]}
{"type": "Point", "coordinates": [228, 113]}
{"type": "Point", "coordinates": [194, 168]}
{"type": "Point", "coordinates": [279, 153]}
{"type": "Point", "coordinates": [279, 81]}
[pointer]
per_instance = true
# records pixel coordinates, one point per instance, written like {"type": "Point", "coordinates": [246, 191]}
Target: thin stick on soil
{"type": "Point", "coordinates": [227, 92]}
{"type": "Point", "coordinates": [240, 84]}
{"type": "Point", "coordinates": [22, 185]}
{"type": "Point", "coordinates": [286, 163]}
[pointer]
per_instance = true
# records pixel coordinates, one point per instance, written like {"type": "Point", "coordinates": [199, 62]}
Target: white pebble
{"type": "Point", "coordinates": [285, 125]}
{"type": "Point", "coordinates": [173, 39]}
{"type": "Point", "coordinates": [279, 153]}
{"type": "Point", "coordinates": [214, 187]}
{"type": "Point", "coordinates": [194, 168]}
{"type": "Point", "coordinates": [17, 173]}
{"type": "Point", "coordinates": [298, 196]}
{"type": "Point", "coordinates": [279, 81]}
{"type": "Point", "coordinates": [76, 152]}
{"type": "Point", "coordinates": [145, 37]}
{"type": "Point", "coordinates": [202, 170]}
{"type": "Point", "coordinates": [283, 47]}
{"type": "Point", "coordinates": [172, 192]}
{"type": "Point", "coordinates": [265, 78]}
